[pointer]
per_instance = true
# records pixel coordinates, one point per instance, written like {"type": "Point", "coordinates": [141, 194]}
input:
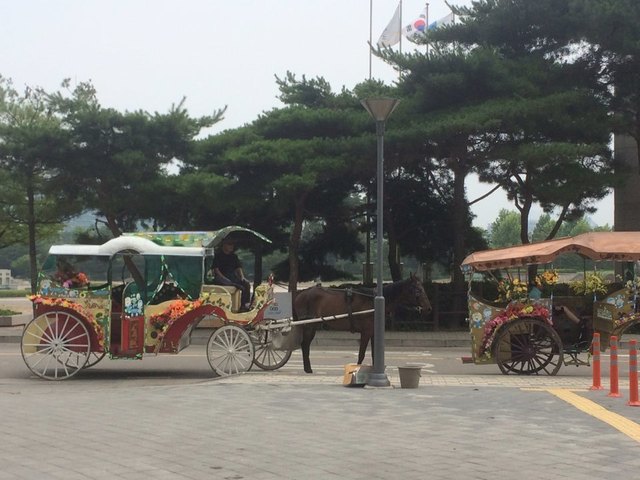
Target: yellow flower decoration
{"type": "Point", "coordinates": [593, 284]}
{"type": "Point", "coordinates": [512, 289]}
{"type": "Point", "coordinates": [547, 278]}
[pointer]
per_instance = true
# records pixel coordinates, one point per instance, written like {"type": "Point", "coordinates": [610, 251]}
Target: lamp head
{"type": "Point", "coordinates": [380, 108]}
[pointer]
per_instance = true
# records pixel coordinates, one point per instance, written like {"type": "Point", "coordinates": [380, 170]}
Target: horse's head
{"type": "Point", "coordinates": [412, 295]}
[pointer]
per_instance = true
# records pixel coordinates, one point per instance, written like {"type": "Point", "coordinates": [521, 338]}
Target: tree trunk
{"type": "Point", "coordinates": [31, 225]}
{"type": "Point", "coordinates": [525, 212]}
{"type": "Point", "coordinates": [393, 256]}
{"type": "Point", "coordinates": [294, 242]}
{"type": "Point", "coordinates": [112, 224]}
{"type": "Point", "coordinates": [627, 197]}
{"type": "Point", "coordinates": [459, 221]}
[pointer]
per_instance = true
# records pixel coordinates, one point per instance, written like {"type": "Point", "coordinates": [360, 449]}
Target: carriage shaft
{"type": "Point", "coordinates": [278, 324]}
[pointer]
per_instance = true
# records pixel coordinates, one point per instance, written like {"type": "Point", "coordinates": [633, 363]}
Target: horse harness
{"type": "Point", "coordinates": [348, 294]}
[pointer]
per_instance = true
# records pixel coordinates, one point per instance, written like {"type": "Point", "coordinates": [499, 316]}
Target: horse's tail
{"type": "Point", "coordinates": [305, 303]}
{"type": "Point", "coordinates": [300, 305]}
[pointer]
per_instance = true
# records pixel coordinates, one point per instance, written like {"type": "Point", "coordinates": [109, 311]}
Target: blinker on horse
{"type": "Point", "coordinates": [316, 302]}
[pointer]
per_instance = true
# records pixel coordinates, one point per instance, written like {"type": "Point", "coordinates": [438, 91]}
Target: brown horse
{"type": "Point", "coordinates": [316, 302]}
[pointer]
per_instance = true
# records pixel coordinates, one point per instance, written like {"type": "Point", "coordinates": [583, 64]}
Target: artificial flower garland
{"type": "Point", "coordinates": [627, 318]}
{"type": "Point", "coordinates": [64, 303]}
{"type": "Point", "coordinates": [77, 281]}
{"type": "Point", "coordinates": [176, 309]}
{"type": "Point", "coordinates": [513, 311]}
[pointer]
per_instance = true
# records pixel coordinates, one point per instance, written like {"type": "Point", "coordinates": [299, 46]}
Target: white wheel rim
{"type": "Point", "coordinates": [266, 357]}
{"type": "Point", "coordinates": [55, 345]}
{"type": "Point", "coordinates": [230, 350]}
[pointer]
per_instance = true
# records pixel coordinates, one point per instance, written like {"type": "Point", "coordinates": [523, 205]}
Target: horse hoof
{"type": "Point", "coordinates": [308, 371]}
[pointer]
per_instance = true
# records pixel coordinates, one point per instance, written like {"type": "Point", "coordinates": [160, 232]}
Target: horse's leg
{"type": "Point", "coordinates": [364, 341]}
{"type": "Point", "coordinates": [308, 333]}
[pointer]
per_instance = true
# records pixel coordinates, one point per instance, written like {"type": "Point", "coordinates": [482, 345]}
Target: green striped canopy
{"type": "Point", "coordinates": [207, 239]}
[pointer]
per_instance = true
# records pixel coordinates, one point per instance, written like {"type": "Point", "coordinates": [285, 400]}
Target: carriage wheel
{"type": "Point", "coordinates": [266, 357]}
{"type": "Point", "coordinates": [630, 332]}
{"type": "Point", "coordinates": [230, 350]}
{"type": "Point", "coordinates": [528, 346]}
{"type": "Point", "coordinates": [56, 345]}
{"type": "Point", "coordinates": [94, 357]}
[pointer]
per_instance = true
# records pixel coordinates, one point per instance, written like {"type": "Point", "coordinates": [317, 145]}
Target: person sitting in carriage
{"type": "Point", "coordinates": [67, 276]}
{"type": "Point", "coordinates": [227, 270]}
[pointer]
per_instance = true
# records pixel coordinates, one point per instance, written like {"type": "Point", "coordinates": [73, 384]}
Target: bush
{"type": "Point", "coordinates": [14, 293]}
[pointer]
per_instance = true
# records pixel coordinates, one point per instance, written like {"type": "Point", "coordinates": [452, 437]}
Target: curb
{"type": "Point", "coordinates": [14, 320]}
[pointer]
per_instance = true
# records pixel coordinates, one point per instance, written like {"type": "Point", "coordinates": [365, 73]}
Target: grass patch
{"type": "Point", "coordinates": [14, 293]}
{"type": "Point", "coordinates": [7, 313]}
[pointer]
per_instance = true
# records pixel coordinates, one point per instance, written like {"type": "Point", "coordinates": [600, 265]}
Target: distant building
{"type": "Point", "coordinates": [5, 278]}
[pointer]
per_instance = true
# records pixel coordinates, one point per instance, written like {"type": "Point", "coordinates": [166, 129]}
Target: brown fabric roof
{"type": "Point", "coordinates": [622, 246]}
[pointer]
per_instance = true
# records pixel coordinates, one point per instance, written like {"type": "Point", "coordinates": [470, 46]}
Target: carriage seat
{"type": "Point", "coordinates": [228, 294]}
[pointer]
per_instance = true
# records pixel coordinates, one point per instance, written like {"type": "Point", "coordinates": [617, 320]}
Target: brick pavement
{"type": "Point", "coordinates": [288, 425]}
{"type": "Point", "coordinates": [279, 425]}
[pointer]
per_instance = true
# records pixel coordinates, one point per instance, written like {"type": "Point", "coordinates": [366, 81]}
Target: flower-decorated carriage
{"type": "Point", "coordinates": [533, 326]}
{"type": "Point", "coordinates": [143, 294]}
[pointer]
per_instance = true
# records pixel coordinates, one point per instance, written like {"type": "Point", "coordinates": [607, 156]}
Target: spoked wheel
{"type": "Point", "coordinates": [528, 346]}
{"type": "Point", "coordinates": [230, 350]}
{"type": "Point", "coordinates": [55, 345]}
{"type": "Point", "coordinates": [267, 357]}
{"type": "Point", "coordinates": [94, 357]}
{"type": "Point", "coordinates": [630, 332]}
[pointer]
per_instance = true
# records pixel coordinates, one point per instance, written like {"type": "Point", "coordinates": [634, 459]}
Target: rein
{"type": "Point", "coordinates": [333, 317]}
{"type": "Point", "coordinates": [360, 292]}
{"type": "Point", "coordinates": [389, 291]}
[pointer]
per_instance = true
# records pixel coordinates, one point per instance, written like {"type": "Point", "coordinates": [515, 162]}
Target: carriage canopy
{"type": "Point", "coordinates": [597, 246]}
{"type": "Point", "coordinates": [183, 257]}
{"type": "Point", "coordinates": [206, 239]}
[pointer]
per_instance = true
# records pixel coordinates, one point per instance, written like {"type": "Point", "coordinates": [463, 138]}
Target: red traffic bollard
{"type": "Point", "coordinates": [633, 374]}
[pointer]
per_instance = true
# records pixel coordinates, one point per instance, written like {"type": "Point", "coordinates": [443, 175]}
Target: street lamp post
{"type": "Point", "coordinates": [379, 109]}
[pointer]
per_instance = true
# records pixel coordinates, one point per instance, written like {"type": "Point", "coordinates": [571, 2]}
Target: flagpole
{"type": "Point", "coordinates": [400, 48]}
{"type": "Point", "coordinates": [426, 29]}
{"type": "Point", "coordinates": [370, 34]}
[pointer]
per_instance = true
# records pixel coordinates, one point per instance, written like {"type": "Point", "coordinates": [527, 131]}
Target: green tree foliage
{"type": "Point", "coordinates": [11, 232]}
{"type": "Point", "coordinates": [33, 202]}
{"type": "Point", "coordinates": [551, 145]}
{"type": "Point", "coordinates": [117, 166]}
{"type": "Point", "coordinates": [504, 231]}
{"type": "Point", "coordinates": [607, 31]}
{"type": "Point", "coordinates": [543, 228]}
{"type": "Point", "coordinates": [297, 170]}
{"type": "Point", "coordinates": [447, 124]}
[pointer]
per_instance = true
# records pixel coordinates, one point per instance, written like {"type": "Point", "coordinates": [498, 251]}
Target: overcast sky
{"type": "Point", "coordinates": [149, 54]}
